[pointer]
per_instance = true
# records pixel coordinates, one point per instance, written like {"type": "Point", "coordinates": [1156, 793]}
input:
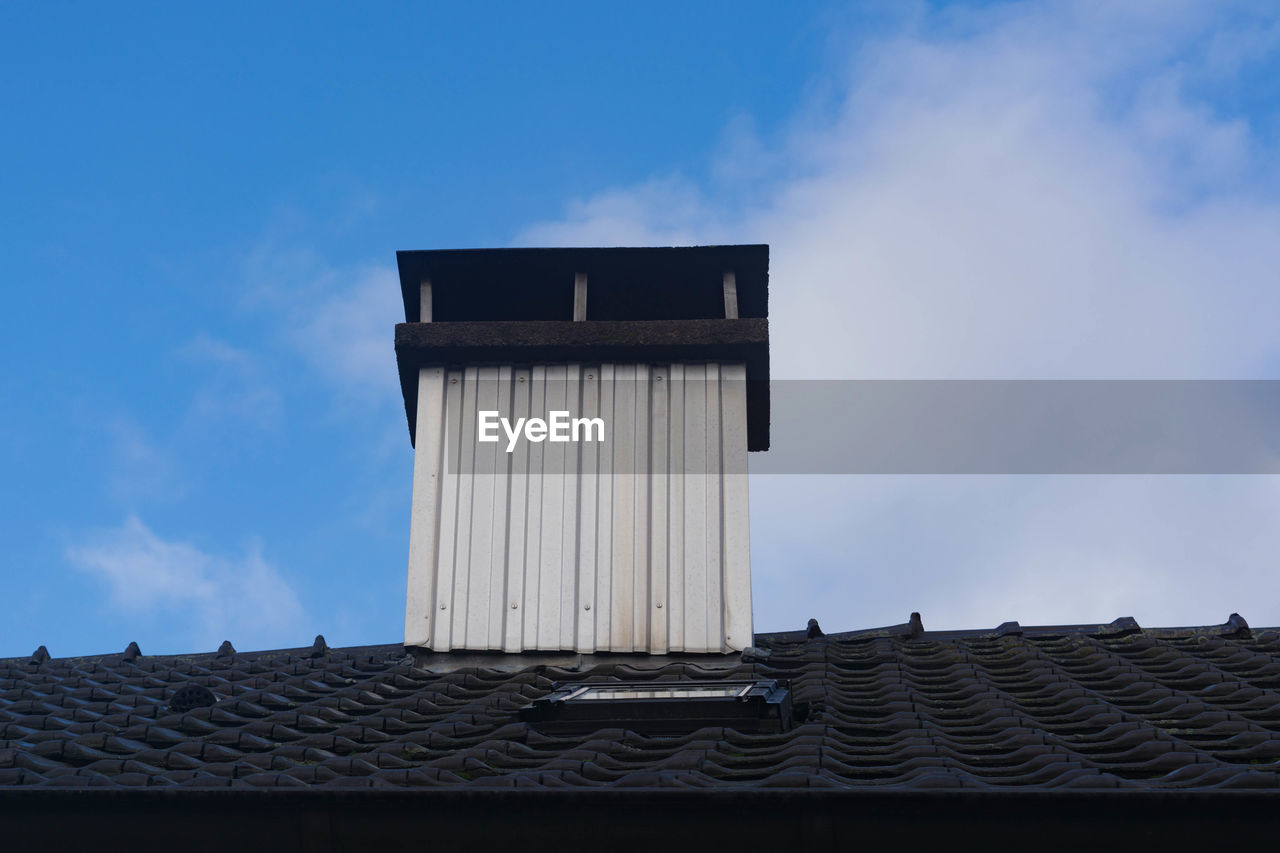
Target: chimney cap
{"type": "Point", "coordinates": [625, 283]}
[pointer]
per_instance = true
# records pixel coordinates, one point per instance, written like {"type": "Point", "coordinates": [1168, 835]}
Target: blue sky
{"type": "Point", "coordinates": [200, 430]}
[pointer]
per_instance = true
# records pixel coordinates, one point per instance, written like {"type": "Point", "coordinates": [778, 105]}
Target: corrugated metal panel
{"type": "Point", "coordinates": [636, 543]}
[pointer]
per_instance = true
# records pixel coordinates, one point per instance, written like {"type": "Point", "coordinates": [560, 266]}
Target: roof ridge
{"type": "Point", "coordinates": [913, 629]}
{"type": "Point", "coordinates": [1235, 625]}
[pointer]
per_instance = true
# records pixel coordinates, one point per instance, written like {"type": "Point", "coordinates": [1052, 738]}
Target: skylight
{"type": "Point", "coordinates": [664, 707]}
{"type": "Point", "coordinates": [679, 691]}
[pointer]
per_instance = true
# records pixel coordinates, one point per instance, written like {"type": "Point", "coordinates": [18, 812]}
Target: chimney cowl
{"type": "Point", "coordinates": [649, 305]}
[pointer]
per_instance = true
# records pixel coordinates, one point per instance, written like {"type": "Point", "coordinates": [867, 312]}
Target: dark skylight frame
{"type": "Point", "coordinates": [664, 707]}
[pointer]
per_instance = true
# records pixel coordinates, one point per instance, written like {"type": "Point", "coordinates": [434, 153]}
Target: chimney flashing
{"type": "Point", "coordinates": [568, 661]}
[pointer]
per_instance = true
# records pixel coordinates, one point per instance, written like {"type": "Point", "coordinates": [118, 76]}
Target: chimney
{"type": "Point", "coordinates": [581, 420]}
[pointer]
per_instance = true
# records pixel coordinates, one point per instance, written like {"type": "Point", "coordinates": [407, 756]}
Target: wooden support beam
{"type": "Point", "coordinates": [424, 301]}
{"type": "Point", "coordinates": [580, 296]}
{"type": "Point", "coordinates": [730, 295]}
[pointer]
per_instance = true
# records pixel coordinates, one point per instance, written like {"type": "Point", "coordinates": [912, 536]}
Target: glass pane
{"type": "Point", "coordinates": [666, 691]}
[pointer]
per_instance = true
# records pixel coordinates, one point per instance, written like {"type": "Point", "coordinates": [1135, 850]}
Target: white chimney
{"type": "Point", "coordinates": [581, 419]}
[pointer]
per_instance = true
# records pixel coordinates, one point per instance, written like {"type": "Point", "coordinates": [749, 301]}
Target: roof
{"type": "Point", "coordinates": [1110, 708]}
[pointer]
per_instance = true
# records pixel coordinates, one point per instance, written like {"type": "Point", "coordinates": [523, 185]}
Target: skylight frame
{"type": "Point", "coordinates": [748, 705]}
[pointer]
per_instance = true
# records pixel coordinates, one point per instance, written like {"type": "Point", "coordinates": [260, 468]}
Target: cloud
{"type": "Point", "coordinates": [209, 349]}
{"type": "Point", "coordinates": [662, 212]}
{"type": "Point", "coordinates": [346, 333]}
{"type": "Point", "coordinates": [338, 319]}
{"type": "Point", "coordinates": [1029, 192]}
{"type": "Point", "coordinates": [1039, 191]}
{"type": "Point", "coordinates": [234, 388]}
{"type": "Point", "coordinates": [138, 467]}
{"type": "Point", "coordinates": [200, 597]}
{"type": "Point", "coordinates": [972, 552]}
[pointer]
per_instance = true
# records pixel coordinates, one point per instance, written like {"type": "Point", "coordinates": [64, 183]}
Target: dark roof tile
{"type": "Point", "coordinates": [1114, 707]}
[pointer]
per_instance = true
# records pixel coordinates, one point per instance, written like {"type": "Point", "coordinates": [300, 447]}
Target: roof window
{"type": "Point", "coordinates": [664, 707]}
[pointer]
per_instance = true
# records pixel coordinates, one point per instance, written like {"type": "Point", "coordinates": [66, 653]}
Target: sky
{"type": "Point", "coordinates": [201, 434]}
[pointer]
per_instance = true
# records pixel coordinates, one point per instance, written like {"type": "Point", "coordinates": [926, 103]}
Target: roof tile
{"type": "Point", "coordinates": [1104, 707]}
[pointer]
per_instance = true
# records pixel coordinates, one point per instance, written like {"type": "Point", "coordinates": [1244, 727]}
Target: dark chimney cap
{"type": "Point", "coordinates": [630, 283]}
{"type": "Point", "coordinates": [643, 305]}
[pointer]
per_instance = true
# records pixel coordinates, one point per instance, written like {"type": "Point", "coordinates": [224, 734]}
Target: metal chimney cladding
{"type": "Point", "coordinates": [637, 544]}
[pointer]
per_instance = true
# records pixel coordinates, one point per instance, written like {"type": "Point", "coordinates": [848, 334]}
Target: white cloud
{"type": "Point", "coordinates": [1028, 191]}
{"type": "Point", "coordinates": [200, 597]}
{"type": "Point", "coordinates": [339, 319]}
{"type": "Point", "coordinates": [662, 212]}
{"type": "Point", "coordinates": [346, 332]}
{"type": "Point", "coordinates": [138, 467]}
{"type": "Point", "coordinates": [1036, 197]}
{"type": "Point", "coordinates": [209, 349]}
{"type": "Point", "coordinates": [234, 389]}
{"type": "Point", "coordinates": [972, 552]}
